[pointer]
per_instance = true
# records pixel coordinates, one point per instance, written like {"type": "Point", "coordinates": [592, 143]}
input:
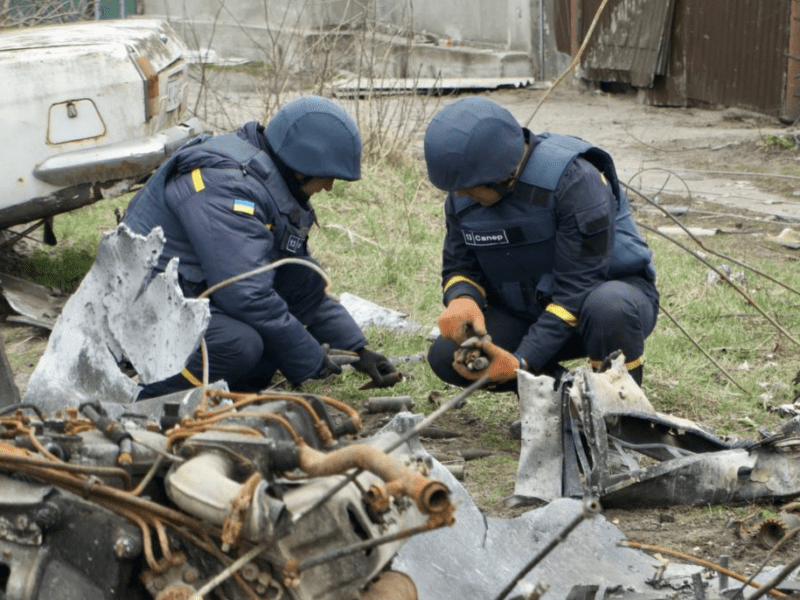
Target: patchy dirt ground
{"type": "Point", "coordinates": [710, 533]}
{"type": "Point", "coordinates": [727, 162]}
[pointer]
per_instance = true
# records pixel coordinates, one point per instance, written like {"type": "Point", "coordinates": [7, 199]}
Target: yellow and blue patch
{"type": "Point", "coordinates": [244, 206]}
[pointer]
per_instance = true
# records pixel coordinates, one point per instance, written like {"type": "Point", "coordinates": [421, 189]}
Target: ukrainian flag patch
{"type": "Point", "coordinates": [244, 206]}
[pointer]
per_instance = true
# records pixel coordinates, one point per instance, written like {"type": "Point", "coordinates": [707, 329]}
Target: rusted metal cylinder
{"type": "Point", "coordinates": [390, 404]}
{"type": "Point", "coordinates": [391, 586]}
{"type": "Point", "coordinates": [772, 530]}
{"type": "Point", "coordinates": [431, 496]}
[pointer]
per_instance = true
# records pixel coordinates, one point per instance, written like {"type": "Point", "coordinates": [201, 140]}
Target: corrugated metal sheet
{"type": "Point", "coordinates": [743, 53]}
{"type": "Point", "coordinates": [630, 42]}
{"type": "Point", "coordinates": [735, 52]}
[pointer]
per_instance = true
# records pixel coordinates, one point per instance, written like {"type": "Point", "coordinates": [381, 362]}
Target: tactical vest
{"type": "Point", "coordinates": [514, 240]}
{"type": "Point", "coordinates": [248, 163]}
{"type": "Point", "coordinates": [544, 170]}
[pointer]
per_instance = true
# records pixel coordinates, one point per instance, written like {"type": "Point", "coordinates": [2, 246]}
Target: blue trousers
{"type": "Point", "coordinates": [617, 315]}
{"type": "Point", "coordinates": [236, 351]}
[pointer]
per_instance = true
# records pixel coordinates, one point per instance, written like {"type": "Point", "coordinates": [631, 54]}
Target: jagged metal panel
{"type": "Point", "coordinates": [113, 315]}
{"type": "Point", "coordinates": [37, 305]}
{"type": "Point", "coordinates": [539, 473]}
{"type": "Point", "coordinates": [479, 556]}
{"type": "Point", "coordinates": [616, 421]}
{"type": "Point", "coordinates": [367, 313]}
{"type": "Point", "coordinates": [733, 476]}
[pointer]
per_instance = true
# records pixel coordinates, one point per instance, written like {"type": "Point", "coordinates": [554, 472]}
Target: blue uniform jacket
{"type": "Point", "coordinates": [545, 246]}
{"type": "Point", "coordinates": [225, 209]}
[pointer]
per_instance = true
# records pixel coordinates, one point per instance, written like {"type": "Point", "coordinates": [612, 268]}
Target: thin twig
{"type": "Point", "coordinates": [575, 60]}
{"type": "Point", "coordinates": [352, 234]}
{"type": "Point", "coordinates": [723, 276]}
{"type": "Point", "coordinates": [699, 347]}
{"type": "Point", "coordinates": [697, 240]}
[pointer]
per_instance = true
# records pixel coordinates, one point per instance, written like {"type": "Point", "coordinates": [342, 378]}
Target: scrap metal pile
{"type": "Point", "coordinates": [597, 433]}
{"type": "Point", "coordinates": [246, 496]}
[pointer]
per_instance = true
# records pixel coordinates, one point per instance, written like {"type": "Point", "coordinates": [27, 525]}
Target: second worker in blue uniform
{"type": "Point", "coordinates": [541, 252]}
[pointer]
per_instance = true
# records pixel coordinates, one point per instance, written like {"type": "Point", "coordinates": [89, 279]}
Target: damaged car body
{"type": "Point", "coordinates": [92, 108]}
{"type": "Point", "coordinates": [601, 436]}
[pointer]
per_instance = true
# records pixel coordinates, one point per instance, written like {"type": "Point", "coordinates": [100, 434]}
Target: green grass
{"type": "Point", "coordinates": [78, 233]}
{"type": "Point", "coordinates": [381, 238]}
{"type": "Point", "coordinates": [780, 142]}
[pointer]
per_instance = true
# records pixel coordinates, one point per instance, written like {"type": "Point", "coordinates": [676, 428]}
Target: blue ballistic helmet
{"type": "Point", "coordinates": [316, 138]}
{"type": "Point", "coordinates": [472, 142]}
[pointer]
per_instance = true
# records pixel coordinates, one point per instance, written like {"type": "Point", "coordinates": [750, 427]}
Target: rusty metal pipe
{"type": "Point", "coordinates": [391, 585]}
{"type": "Point", "coordinates": [427, 421]}
{"type": "Point", "coordinates": [432, 497]}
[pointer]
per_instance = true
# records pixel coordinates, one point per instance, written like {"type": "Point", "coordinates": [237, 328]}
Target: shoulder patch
{"type": "Point", "coordinates": [244, 206]}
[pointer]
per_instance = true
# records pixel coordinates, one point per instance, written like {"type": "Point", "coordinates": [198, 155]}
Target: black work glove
{"type": "Point", "coordinates": [378, 367]}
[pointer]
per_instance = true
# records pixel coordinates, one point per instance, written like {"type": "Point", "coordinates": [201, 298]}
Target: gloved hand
{"type": "Point", "coordinates": [461, 320]}
{"type": "Point", "coordinates": [330, 363]}
{"type": "Point", "coordinates": [378, 367]}
{"type": "Point", "coordinates": [502, 364]}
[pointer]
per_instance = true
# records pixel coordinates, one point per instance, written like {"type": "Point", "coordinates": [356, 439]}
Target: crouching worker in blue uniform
{"type": "Point", "coordinates": [541, 251]}
{"type": "Point", "coordinates": [232, 203]}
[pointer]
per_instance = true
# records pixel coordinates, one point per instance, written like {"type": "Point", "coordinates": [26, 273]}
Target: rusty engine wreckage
{"type": "Point", "coordinates": [210, 493]}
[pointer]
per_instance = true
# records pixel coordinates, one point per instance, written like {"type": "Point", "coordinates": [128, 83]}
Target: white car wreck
{"type": "Point", "coordinates": [87, 110]}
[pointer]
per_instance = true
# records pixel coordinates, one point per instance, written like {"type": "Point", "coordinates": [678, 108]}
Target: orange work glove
{"type": "Point", "coordinates": [502, 364]}
{"type": "Point", "coordinates": [461, 320]}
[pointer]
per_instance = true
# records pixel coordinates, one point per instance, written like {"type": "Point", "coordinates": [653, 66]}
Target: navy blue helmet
{"type": "Point", "coordinates": [472, 142]}
{"type": "Point", "coordinates": [316, 138]}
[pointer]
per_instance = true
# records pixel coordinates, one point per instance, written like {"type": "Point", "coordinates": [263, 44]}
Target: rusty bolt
{"type": "Point", "coordinates": [249, 572]}
{"type": "Point", "coordinates": [378, 498]}
{"type": "Point", "coordinates": [48, 516]}
{"type": "Point", "coordinates": [159, 583]}
{"type": "Point", "coordinates": [190, 575]}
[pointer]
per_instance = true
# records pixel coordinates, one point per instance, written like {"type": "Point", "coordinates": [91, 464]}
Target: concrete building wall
{"type": "Point", "coordinates": [509, 37]}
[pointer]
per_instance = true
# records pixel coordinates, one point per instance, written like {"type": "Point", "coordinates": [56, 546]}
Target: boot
{"type": "Point", "coordinates": [637, 374]}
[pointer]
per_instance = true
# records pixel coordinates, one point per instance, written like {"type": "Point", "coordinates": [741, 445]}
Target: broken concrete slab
{"type": "Point", "coordinates": [118, 313]}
